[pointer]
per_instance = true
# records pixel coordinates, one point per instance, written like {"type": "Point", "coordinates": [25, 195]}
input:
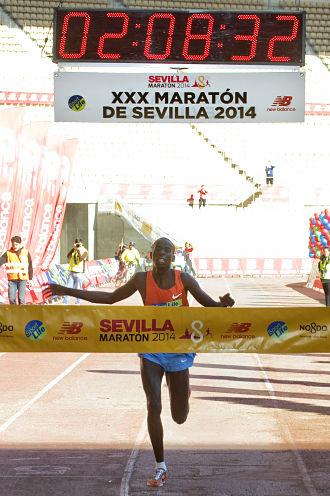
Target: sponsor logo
{"type": "Point", "coordinates": [196, 335]}
{"type": "Point", "coordinates": [186, 334]}
{"type": "Point", "coordinates": [138, 325]}
{"type": "Point", "coordinates": [277, 329]}
{"type": "Point", "coordinates": [282, 101]}
{"type": "Point", "coordinates": [282, 104]}
{"type": "Point", "coordinates": [313, 328]}
{"type": "Point", "coordinates": [6, 330]}
{"type": "Point", "coordinates": [173, 303]}
{"type": "Point", "coordinates": [76, 103]}
{"type": "Point", "coordinates": [35, 329]}
{"type": "Point", "coordinates": [238, 330]}
{"type": "Point", "coordinates": [200, 82]}
{"type": "Point", "coordinates": [135, 330]}
{"type": "Point", "coordinates": [168, 78]}
{"type": "Point", "coordinates": [71, 328]}
{"type": "Point", "coordinates": [168, 81]}
{"type": "Point", "coordinates": [174, 297]}
{"type": "Point", "coordinates": [239, 327]}
{"type": "Point", "coordinates": [69, 332]}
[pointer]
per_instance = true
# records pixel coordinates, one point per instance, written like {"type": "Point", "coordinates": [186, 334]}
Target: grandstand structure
{"type": "Point", "coordinates": [153, 168]}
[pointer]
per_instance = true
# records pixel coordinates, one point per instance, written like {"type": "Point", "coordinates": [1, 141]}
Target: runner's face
{"type": "Point", "coordinates": [163, 254]}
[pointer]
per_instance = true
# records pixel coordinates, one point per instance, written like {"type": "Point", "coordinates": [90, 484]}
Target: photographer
{"type": "Point", "coordinates": [77, 257]}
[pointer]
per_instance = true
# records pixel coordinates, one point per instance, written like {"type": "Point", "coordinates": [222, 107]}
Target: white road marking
{"type": "Point", "coordinates": [300, 462]}
{"type": "Point", "coordinates": [41, 393]}
{"type": "Point", "coordinates": [42, 470]}
{"type": "Point", "coordinates": [24, 459]}
{"type": "Point", "coordinates": [124, 487]}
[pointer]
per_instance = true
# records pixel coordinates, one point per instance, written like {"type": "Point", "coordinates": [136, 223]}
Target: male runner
{"type": "Point", "coordinates": [162, 286]}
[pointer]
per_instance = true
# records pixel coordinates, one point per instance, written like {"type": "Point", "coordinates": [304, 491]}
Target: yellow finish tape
{"type": "Point", "coordinates": [115, 329]}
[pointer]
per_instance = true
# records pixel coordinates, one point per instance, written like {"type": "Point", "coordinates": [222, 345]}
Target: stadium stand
{"type": "Point", "coordinates": [317, 26]}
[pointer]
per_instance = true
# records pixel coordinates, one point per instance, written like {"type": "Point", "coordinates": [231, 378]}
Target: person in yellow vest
{"type": "Point", "coordinates": [77, 257]}
{"type": "Point", "coordinates": [17, 263]}
{"type": "Point", "coordinates": [131, 258]}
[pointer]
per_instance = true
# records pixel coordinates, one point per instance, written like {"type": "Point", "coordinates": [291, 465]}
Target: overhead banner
{"type": "Point", "coordinates": [186, 97]}
{"type": "Point", "coordinates": [115, 329]}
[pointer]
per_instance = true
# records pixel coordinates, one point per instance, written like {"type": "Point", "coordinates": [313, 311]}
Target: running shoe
{"type": "Point", "coordinates": [159, 478]}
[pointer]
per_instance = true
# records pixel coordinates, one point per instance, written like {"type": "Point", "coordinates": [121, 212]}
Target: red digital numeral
{"type": "Point", "coordinates": [83, 44]}
{"type": "Point", "coordinates": [248, 37]}
{"type": "Point", "coordinates": [169, 39]}
{"type": "Point", "coordinates": [106, 36]}
{"type": "Point", "coordinates": [286, 39]}
{"type": "Point", "coordinates": [194, 36]}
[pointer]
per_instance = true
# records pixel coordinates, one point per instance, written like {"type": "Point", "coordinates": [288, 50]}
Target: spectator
{"type": "Point", "coordinates": [18, 265]}
{"type": "Point", "coordinates": [269, 173]}
{"type": "Point", "coordinates": [179, 260]}
{"type": "Point", "coordinates": [324, 268]}
{"type": "Point", "coordinates": [120, 274]}
{"type": "Point", "coordinates": [120, 250]}
{"type": "Point", "coordinates": [148, 261]}
{"type": "Point", "coordinates": [188, 249]}
{"type": "Point", "coordinates": [77, 257]}
{"type": "Point", "coordinates": [131, 256]}
{"type": "Point", "coordinates": [191, 200]}
{"type": "Point", "coordinates": [202, 196]}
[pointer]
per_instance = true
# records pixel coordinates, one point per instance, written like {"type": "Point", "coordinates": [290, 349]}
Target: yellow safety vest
{"type": "Point", "coordinates": [17, 267]}
{"type": "Point", "coordinates": [76, 265]}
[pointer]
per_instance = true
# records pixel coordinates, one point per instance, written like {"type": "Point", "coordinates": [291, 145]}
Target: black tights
{"type": "Point", "coordinates": [179, 391]}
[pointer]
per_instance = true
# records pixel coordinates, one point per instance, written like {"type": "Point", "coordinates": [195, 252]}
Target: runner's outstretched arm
{"type": "Point", "coordinates": [203, 298]}
{"type": "Point", "coordinates": [101, 297]}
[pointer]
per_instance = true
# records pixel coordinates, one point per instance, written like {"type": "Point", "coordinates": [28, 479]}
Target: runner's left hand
{"type": "Point", "coordinates": [226, 300]}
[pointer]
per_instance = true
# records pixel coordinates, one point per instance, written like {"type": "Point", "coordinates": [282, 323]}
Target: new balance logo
{"type": "Point", "coordinates": [174, 297]}
{"type": "Point", "coordinates": [239, 327]}
{"type": "Point", "coordinates": [282, 101]}
{"type": "Point", "coordinates": [71, 328]}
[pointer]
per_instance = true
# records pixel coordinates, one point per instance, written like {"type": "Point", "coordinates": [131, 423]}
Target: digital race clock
{"type": "Point", "coordinates": [160, 36]}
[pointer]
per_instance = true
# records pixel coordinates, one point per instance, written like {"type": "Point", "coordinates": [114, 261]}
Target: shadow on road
{"type": "Point", "coordinates": [215, 471]}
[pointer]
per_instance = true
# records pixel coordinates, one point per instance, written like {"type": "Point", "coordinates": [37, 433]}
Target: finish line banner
{"type": "Point", "coordinates": [195, 97]}
{"type": "Point", "coordinates": [115, 329]}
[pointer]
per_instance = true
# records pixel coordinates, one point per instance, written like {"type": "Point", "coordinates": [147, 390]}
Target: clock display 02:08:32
{"type": "Point", "coordinates": [207, 37]}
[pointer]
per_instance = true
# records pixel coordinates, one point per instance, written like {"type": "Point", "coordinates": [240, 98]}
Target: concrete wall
{"type": "Point", "coordinates": [108, 230]}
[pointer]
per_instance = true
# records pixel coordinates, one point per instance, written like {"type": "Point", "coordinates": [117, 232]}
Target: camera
{"type": "Point", "coordinates": [77, 245]}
